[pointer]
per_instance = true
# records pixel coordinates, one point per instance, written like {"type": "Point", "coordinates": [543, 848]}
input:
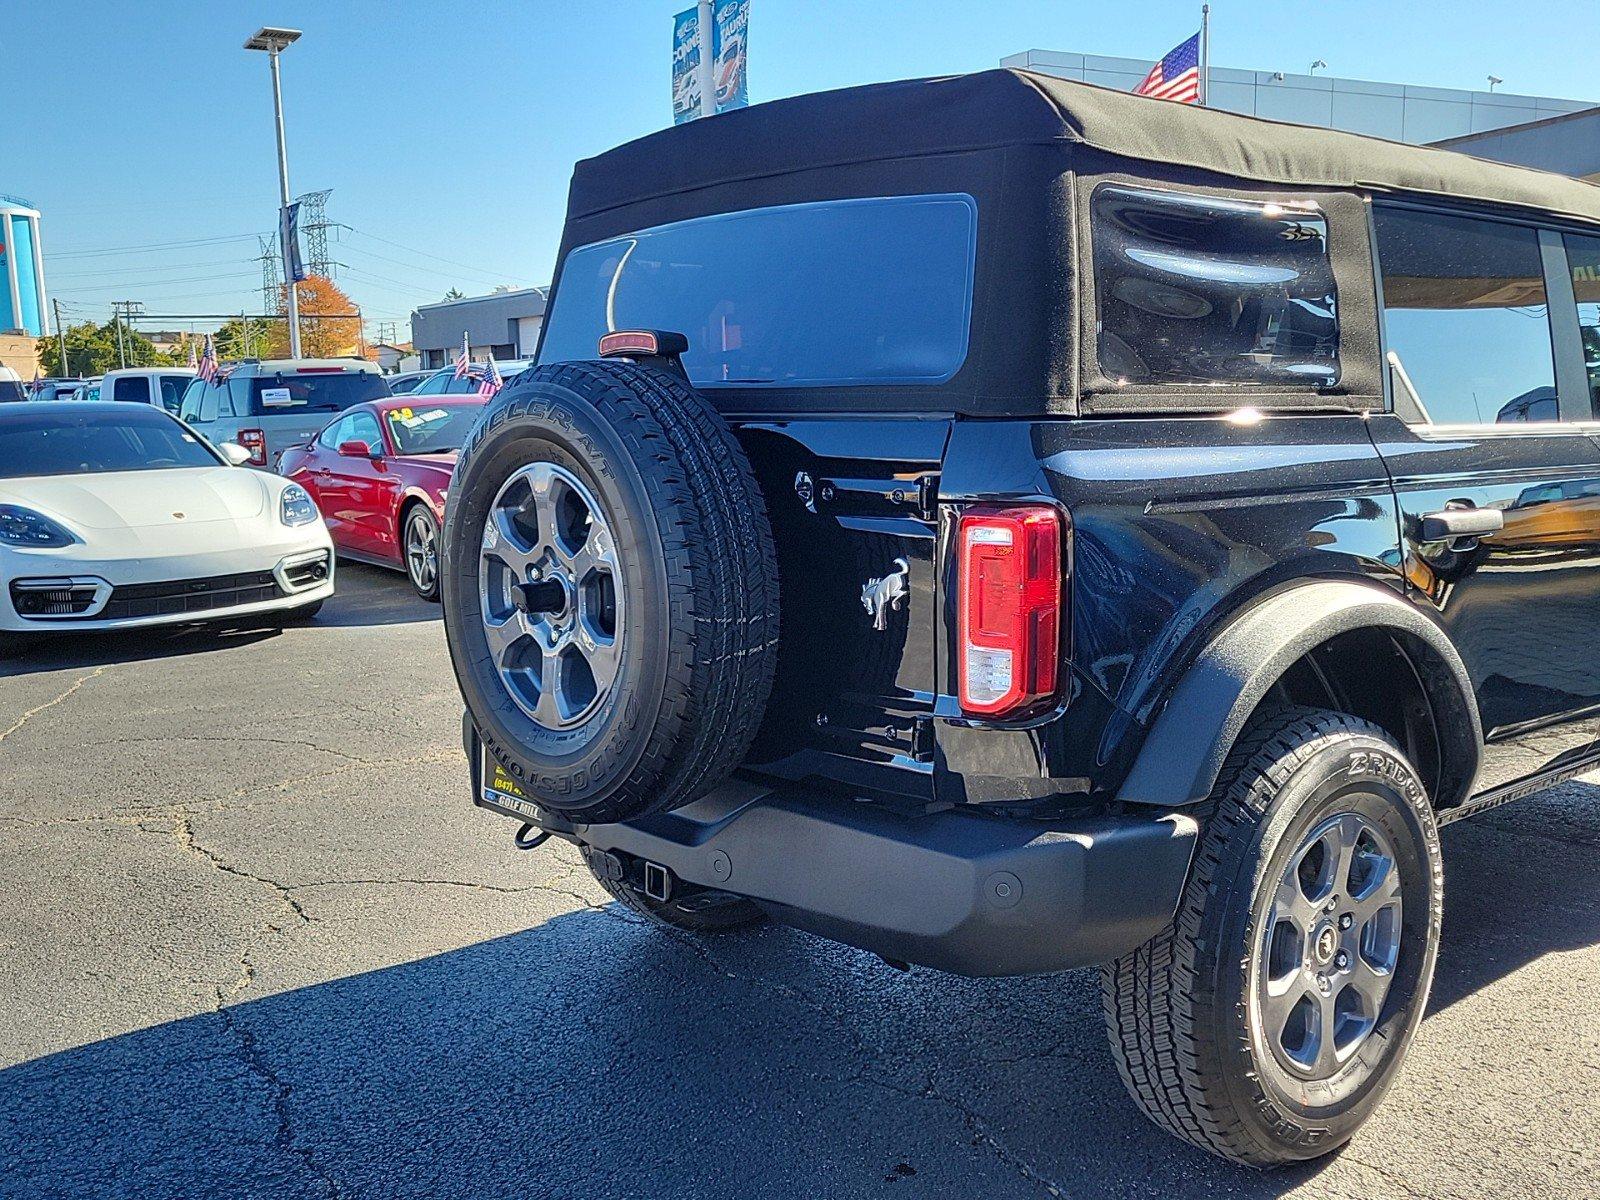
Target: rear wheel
{"type": "Point", "coordinates": [1267, 1023]}
{"type": "Point", "coordinates": [420, 538]}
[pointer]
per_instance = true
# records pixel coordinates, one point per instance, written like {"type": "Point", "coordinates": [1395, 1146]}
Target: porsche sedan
{"type": "Point", "coordinates": [114, 516]}
{"type": "Point", "coordinates": [380, 473]}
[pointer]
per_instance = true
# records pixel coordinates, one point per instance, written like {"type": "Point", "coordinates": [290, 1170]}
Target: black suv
{"type": "Point", "coordinates": [1009, 525]}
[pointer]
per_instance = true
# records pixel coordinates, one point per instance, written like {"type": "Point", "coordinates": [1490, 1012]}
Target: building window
{"type": "Point", "coordinates": [1466, 317]}
{"type": "Point", "coordinates": [1198, 290]}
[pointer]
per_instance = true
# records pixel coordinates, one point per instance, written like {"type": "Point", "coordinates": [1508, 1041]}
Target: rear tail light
{"type": "Point", "coordinates": [1008, 607]}
{"type": "Point", "coordinates": [255, 441]}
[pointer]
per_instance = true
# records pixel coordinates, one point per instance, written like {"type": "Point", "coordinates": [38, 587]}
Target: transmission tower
{"type": "Point", "coordinates": [271, 284]}
{"type": "Point", "coordinates": [314, 220]}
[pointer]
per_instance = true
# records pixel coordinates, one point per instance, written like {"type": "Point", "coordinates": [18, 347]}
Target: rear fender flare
{"type": "Point", "coordinates": [1184, 751]}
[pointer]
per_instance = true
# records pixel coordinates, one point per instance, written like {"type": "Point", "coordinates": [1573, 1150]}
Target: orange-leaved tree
{"type": "Point", "coordinates": [329, 327]}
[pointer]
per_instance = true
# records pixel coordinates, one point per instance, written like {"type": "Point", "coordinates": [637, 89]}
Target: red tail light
{"type": "Point", "coordinates": [255, 441]}
{"type": "Point", "coordinates": [1008, 607]}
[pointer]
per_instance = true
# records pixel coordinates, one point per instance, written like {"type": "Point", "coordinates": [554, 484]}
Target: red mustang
{"type": "Point", "coordinates": [379, 473]}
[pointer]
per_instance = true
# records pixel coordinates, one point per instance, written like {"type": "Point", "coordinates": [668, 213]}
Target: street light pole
{"type": "Point", "coordinates": [274, 41]}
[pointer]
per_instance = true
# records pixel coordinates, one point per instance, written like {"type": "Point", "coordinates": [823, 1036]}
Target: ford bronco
{"type": "Point", "coordinates": [1008, 525]}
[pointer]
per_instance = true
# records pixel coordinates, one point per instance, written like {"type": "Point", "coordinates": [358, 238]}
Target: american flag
{"type": "Point", "coordinates": [194, 363]}
{"type": "Point", "coordinates": [1177, 76]}
{"type": "Point", "coordinates": [464, 359]}
{"type": "Point", "coordinates": [492, 382]}
{"type": "Point", "coordinates": [208, 361]}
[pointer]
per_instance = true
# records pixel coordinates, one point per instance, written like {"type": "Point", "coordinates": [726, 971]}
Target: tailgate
{"type": "Point", "coordinates": [855, 525]}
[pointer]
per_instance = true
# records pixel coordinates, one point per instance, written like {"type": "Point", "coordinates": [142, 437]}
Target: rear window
{"type": "Point", "coordinates": [295, 392]}
{"type": "Point", "coordinates": [10, 391]}
{"type": "Point", "coordinates": [132, 439]}
{"type": "Point", "coordinates": [1200, 290]}
{"type": "Point", "coordinates": [873, 291]}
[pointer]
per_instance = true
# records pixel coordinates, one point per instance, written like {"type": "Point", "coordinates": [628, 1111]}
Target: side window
{"type": "Point", "coordinates": [1466, 317]}
{"type": "Point", "coordinates": [189, 409]}
{"type": "Point", "coordinates": [1583, 255]}
{"type": "Point", "coordinates": [364, 428]}
{"type": "Point", "coordinates": [235, 399]}
{"type": "Point", "coordinates": [132, 388]}
{"type": "Point", "coordinates": [208, 404]}
{"type": "Point", "coordinates": [432, 385]}
{"type": "Point", "coordinates": [171, 390]}
{"type": "Point", "coordinates": [334, 434]}
{"type": "Point", "coordinates": [1199, 290]}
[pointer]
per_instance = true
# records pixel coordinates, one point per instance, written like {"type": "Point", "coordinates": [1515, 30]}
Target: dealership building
{"type": "Point", "coordinates": [1535, 131]}
{"type": "Point", "coordinates": [22, 300]}
{"type": "Point", "coordinates": [505, 324]}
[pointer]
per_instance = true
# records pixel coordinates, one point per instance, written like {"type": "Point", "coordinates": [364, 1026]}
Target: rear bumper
{"type": "Point", "coordinates": [970, 893]}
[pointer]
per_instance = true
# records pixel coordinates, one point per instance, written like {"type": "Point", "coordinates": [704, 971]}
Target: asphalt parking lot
{"type": "Point", "coordinates": [256, 942]}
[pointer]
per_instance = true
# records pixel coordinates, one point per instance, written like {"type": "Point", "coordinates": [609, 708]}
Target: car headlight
{"type": "Point", "coordinates": [296, 507]}
{"type": "Point", "coordinates": [23, 527]}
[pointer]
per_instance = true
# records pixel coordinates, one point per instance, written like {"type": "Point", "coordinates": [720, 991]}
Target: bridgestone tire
{"type": "Point", "coordinates": [1179, 1010]}
{"type": "Point", "coordinates": [695, 564]}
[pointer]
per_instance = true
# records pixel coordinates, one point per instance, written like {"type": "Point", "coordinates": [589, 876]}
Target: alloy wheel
{"type": "Point", "coordinates": [551, 595]}
{"type": "Point", "coordinates": [1329, 946]}
{"type": "Point", "coordinates": [422, 554]}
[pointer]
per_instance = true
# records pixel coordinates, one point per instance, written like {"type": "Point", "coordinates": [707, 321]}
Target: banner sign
{"type": "Point", "coordinates": [294, 270]}
{"type": "Point", "coordinates": [686, 66]}
{"type": "Point", "coordinates": [730, 22]}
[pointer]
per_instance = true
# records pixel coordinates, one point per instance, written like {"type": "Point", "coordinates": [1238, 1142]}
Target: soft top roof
{"type": "Point", "coordinates": [921, 117]}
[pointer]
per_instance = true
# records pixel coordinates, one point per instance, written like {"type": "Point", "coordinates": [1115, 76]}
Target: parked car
{"type": "Point", "coordinates": [1018, 525]}
{"type": "Point", "coordinates": [54, 389]}
{"type": "Point", "coordinates": [86, 389]}
{"type": "Point", "coordinates": [445, 381]}
{"type": "Point", "coordinates": [148, 385]}
{"type": "Point", "coordinates": [11, 390]}
{"type": "Point", "coordinates": [114, 516]}
{"type": "Point", "coordinates": [405, 381]}
{"type": "Point", "coordinates": [380, 474]}
{"type": "Point", "coordinates": [266, 406]}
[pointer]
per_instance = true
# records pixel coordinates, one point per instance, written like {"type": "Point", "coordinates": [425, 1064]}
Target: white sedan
{"type": "Point", "coordinates": [114, 516]}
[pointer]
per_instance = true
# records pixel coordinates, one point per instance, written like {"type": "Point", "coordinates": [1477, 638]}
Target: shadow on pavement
{"type": "Point", "coordinates": [593, 1056]}
{"type": "Point", "coordinates": [363, 596]}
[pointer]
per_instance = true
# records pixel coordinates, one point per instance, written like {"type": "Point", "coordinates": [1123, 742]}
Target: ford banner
{"type": "Point", "coordinates": [730, 21]}
{"type": "Point", "coordinates": [686, 66]}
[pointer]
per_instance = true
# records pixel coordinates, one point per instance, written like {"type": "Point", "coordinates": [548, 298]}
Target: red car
{"type": "Point", "coordinates": [379, 472]}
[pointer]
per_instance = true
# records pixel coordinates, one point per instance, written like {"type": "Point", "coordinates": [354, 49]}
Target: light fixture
{"type": "Point", "coordinates": [271, 39]}
{"type": "Point", "coordinates": [1318, 63]}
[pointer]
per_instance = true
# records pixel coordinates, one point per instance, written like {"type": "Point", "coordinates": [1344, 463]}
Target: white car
{"type": "Point", "coordinates": [114, 516]}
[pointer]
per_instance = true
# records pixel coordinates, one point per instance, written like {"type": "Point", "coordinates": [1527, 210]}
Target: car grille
{"type": "Point", "coordinates": [189, 595]}
{"type": "Point", "coordinates": [51, 597]}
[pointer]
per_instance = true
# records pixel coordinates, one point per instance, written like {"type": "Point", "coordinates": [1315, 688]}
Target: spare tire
{"type": "Point", "coordinates": [610, 589]}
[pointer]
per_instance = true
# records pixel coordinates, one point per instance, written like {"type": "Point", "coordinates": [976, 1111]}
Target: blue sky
{"type": "Point", "coordinates": [448, 131]}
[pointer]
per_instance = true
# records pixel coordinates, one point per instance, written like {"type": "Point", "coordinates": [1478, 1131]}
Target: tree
{"type": "Point", "coordinates": [329, 326]}
{"type": "Point", "coordinates": [92, 350]}
{"type": "Point", "coordinates": [455, 294]}
{"type": "Point", "coordinates": [244, 338]}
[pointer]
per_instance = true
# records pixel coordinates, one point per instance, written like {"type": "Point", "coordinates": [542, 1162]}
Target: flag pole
{"type": "Point", "coordinates": [1205, 54]}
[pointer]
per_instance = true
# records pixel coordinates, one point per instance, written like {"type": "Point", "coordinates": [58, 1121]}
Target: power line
{"type": "Point", "coordinates": [424, 253]}
{"type": "Point", "coordinates": [188, 266]}
{"type": "Point", "coordinates": [111, 287]}
{"type": "Point", "coordinates": [150, 247]}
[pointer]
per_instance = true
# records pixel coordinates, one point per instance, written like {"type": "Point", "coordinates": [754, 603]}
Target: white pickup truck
{"type": "Point", "coordinates": [161, 386]}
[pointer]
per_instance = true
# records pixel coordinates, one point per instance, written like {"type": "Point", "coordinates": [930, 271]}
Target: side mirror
{"type": "Point", "coordinates": [355, 450]}
{"type": "Point", "coordinates": [236, 454]}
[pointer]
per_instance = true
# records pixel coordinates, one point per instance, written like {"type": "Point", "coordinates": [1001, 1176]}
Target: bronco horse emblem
{"type": "Point", "coordinates": [879, 596]}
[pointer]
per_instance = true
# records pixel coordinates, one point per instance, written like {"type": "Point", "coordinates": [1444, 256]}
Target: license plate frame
{"type": "Point", "coordinates": [499, 792]}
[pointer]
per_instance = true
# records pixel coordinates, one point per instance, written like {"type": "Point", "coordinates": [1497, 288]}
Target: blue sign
{"type": "Point", "coordinates": [686, 66]}
{"type": "Point", "coordinates": [730, 22]}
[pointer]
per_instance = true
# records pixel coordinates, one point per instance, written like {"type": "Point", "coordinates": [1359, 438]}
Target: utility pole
{"type": "Point", "coordinates": [61, 335]}
{"type": "Point", "coordinates": [708, 86]}
{"type": "Point", "coordinates": [116, 319]}
{"type": "Point", "coordinates": [274, 42]}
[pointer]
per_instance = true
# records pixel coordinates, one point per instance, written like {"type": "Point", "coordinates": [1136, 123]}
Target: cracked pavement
{"type": "Point", "coordinates": [256, 942]}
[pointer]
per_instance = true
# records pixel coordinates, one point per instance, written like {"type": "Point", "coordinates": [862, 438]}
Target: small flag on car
{"type": "Point", "coordinates": [194, 363]}
{"type": "Point", "coordinates": [1177, 76]}
{"type": "Point", "coordinates": [464, 359]}
{"type": "Point", "coordinates": [208, 361]}
{"type": "Point", "coordinates": [492, 382]}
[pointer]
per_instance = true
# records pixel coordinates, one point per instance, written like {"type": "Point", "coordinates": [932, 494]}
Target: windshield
{"type": "Point", "coordinates": [431, 430]}
{"type": "Point", "coordinates": [64, 443]}
{"type": "Point", "coordinates": [333, 392]}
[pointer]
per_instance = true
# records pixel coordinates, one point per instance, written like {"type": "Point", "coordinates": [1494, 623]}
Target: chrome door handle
{"type": "Point", "coordinates": [1450, 524]}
